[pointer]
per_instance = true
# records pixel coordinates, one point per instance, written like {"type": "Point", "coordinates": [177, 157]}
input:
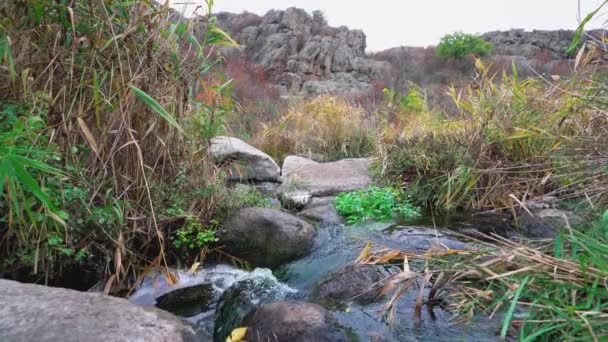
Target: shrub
{"type": "Point", "coordinates": [459, 45]}
{"type": "Point", "coordinates": [374, 204]}
{"type": "Point", "coordinates": [326, 128]}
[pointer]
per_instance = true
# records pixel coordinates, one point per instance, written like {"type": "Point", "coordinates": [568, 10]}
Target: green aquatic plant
{"type": "Point", "coordinates": [375, 203]}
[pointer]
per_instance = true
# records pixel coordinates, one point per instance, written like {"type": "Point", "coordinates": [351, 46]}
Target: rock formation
{"type": "Point", "coordinates": [302, 54]}
{"type": "Point", "coordinates": [532, 44]}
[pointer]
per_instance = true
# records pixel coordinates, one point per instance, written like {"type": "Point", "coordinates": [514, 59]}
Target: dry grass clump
{"type": "Point", "coordinates": [325, 128]}
{"type": "Point", "coordinates": [542, 291]}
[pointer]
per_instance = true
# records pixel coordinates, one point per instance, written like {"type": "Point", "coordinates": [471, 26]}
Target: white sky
{"type": "Point", "coordinates": [391, 23]}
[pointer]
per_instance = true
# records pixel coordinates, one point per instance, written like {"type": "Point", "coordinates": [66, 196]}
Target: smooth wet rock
{"type": "Point", "coordinates": [292, 163]}
{"type": "Point", "coordinates": [187, 301]}
{"type": "Point", "coordinates": [295, 200]}
{"type": "Point", "coordinates": [267, 237]}
{"type": "Point", "coordinates": [293, 321]}
{"type": "Point", "coordinates": [328, 179]}
{"type": "Point", "coordinates": [323, 210]}
{"type": "Point", "coordinates": [242, 299]}
{"type": "Point", "coordinates": [246, 161]}
{"type": "Point", "coordinates": [353, 283]}
{"type": "Point", "coordinates": [43, 314]}
{"type": "Point", "coordinates": [546, 223]}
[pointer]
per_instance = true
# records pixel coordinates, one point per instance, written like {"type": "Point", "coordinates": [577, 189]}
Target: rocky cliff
{"type": "Point", "coordinates": [532, 44]}
{"type": "Point", "coordinates": [302, 54]}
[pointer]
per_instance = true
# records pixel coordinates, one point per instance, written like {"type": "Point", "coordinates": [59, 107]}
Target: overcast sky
{"type": "Point", "coordinates": [391, 23]}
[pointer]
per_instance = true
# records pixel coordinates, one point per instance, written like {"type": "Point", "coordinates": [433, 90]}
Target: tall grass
{"type": "Point", "coordinates": [117, 80]}
{"type": "Point", "coordinates": [325, 128]}
{"type": "Point", "coordinates": [512, 140]}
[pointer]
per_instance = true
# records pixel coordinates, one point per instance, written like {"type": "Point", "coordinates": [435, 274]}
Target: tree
{"type": "Point", "coordinates": [459, 45]}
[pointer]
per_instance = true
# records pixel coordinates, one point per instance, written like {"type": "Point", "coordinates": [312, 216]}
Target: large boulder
{"type": "Point", "coordinates": [328, 179]}
{"type": "Point", "coordinates": [354, 283]}
{"type": "Point", "coordinates": [245, 161]}
{"type": "Point", "coordinates": [38, 313]}
{"type": "Point", "coordinates": [323, 210]}
{"type": "Point", "coordinates": [267, 237]}
{"type": "Point", "coordinates": [242, 299]}
{"type": "Point", "coordinates": [294, 322]}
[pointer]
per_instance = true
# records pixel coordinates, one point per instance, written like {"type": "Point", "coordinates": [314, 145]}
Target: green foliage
{"type": "Point", "coordinates": [26, 178]}
{"type": "Point", "coordinates": [459, 45]}
{"type": "Point", "coordinates": [578, 34]}
{"type": "Point", "coordinates": [374, 204]}
{"type": "Point", "coordinates": [412, 102]}
{"type": "Point", "coordinates": [194, 235]}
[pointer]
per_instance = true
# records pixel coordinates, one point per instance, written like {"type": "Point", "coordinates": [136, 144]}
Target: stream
{"type": "Point", "coordinates": [337, 246]}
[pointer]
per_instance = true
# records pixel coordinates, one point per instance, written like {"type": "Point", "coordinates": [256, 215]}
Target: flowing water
{"type": "Point", "coordinates": [336, 247]}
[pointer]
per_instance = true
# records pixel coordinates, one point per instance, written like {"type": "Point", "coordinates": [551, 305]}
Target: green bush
{"type": "Point", "coordinates": [374, 204]}
{"type": "Point", "coordinates": [459, 45]}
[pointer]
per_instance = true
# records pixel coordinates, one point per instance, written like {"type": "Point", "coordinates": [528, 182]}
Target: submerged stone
{"type": "Point", "coordinates": [187, 301]}
{"type": "Point", "coordinates": [293, 321]}
{"type": "Point", "coordinates": [243, 298]}
{"type": "Point", "coordinates": [352, 283]}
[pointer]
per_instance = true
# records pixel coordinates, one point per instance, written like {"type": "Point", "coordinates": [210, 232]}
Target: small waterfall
{"type": "Point", "coordinates": [220, 277]}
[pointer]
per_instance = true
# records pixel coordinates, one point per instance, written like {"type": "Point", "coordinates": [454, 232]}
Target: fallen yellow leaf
{"type": "Point", "coordinates": [237, 334]}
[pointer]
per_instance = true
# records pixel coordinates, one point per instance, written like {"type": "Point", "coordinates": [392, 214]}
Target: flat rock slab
{"type": "Point", "coordinates": [292, 163]}
{"type": "Point", "coordinates": [45, 314]}
{"type": "Point", "coordinates": [328, 179]}
{"type": "Point", "coordinates": [420, 239]}
{"type": "Point", "coordinates": [246, 161]}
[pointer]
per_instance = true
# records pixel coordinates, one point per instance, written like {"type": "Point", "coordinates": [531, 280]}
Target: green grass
{"type": "Point", "coordinates": [380, 204]}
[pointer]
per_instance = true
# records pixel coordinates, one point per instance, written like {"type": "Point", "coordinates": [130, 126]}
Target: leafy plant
{"type": "Point", "coordinates": [459, 45]}
{"type": "Point", "coordinates": [194, 235]}
{"type": "Point", "coordinates": [374, 204]}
